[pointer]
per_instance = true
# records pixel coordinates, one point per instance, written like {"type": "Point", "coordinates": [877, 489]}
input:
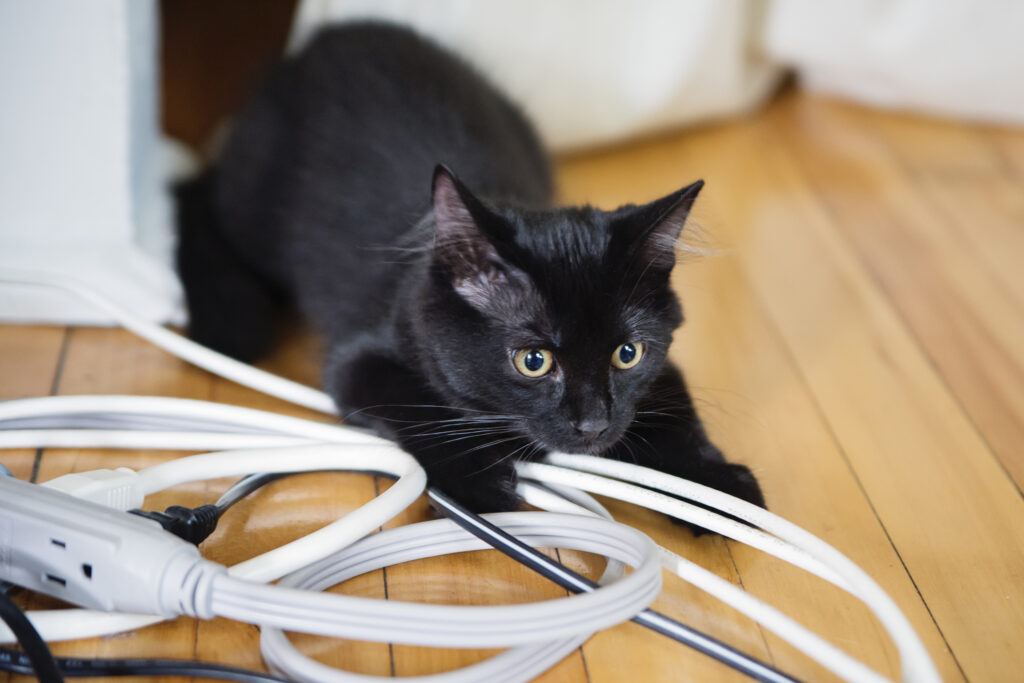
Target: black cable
{"type": "Point", "coordinates": [560, 574]}
{"type": "Point", "coordinates": [189, 524]}
{"type": "Point", "coordinates": [17, 663]}
{"type": "Point", "coordinates": [195, 525]}
{"type": "Point", "coordinates": [37, 657]}
{"type": "Point", "coordinates": [570, 580]}
{"type": "Point", "coordinates": [244, 487]}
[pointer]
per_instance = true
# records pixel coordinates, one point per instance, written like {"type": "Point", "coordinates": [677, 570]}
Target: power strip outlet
{"type": "Point", "coordinates": [87, 554]}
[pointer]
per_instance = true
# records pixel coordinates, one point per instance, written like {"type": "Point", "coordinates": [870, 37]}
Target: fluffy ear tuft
{"type": "Point", "coordinates": [469, 258]}
{"type": "Point", "coordinates": [656, 226]}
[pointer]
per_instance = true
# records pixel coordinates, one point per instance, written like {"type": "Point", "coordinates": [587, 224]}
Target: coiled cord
{"type": "Point", "coordinates": [229, 424]}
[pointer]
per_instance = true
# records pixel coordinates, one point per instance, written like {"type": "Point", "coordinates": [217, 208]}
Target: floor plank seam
{"type": "Point", "coordinates": [37, 461]}
{"type": "Point", "coordinates": [387, 596]}
{"type": "Point", "coordinates": [860, 485]}
{"type": "Point", "coordinates": [739, 578]}
{"type": "Point", "coordinates": [583, 655]}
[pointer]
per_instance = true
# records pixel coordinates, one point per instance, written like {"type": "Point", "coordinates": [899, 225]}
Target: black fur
{"type": "Point", "coordinates": [321, 196]}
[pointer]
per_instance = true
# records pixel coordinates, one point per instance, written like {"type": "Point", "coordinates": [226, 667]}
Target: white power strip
{"type": "Point", "coordinates": [98, 557]}
{"type": "Point", "coordinates": [90, 555]}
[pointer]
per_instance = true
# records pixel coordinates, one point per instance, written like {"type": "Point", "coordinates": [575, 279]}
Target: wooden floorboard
{"type": "Point", "coordinates": [922, 216]}
{"type": "Point", "coordinates": [762, 413]}
{"type": "Point", "coordinates": [855, 336]}
{"type": "Point", "coordinates": [978, 203]}
{"type": "Point", "coordinates": [951, 511]}
{"type": "Point", "coordinates": [30, 361]}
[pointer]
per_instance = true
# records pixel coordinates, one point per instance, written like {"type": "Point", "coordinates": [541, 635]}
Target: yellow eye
{"type": "Point", "coordinates": [628, 355]}
{"type": "Point", "coordinates": [533, 362]}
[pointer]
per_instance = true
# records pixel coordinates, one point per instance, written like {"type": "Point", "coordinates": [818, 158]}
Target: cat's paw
{"type": "Point", "coordinates": [736, 480]}
{"type": "Point", "coordinates": [494, 494]}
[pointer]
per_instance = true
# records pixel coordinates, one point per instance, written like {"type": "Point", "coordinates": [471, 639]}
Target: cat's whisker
{"type": "Point", "coordinates": [496, 442]}
{"type": "Point", "coordinates": [629, 447]}
{"type": "Point", "coordinates": [426, 406]}
{"type": "Point", "coordinates": [456, 433]}
{"type": "Point", "coordinates": [650, 447]}
{"type": "Point", "coordinates": [454, 427]}
{"type": "Point", "coordinates": [676, 422]}
{"type": "Point", "coordinates": [475, 448]}
{"type": "Point", "coordinates": [408, 250]}
{"type": "Point", "coordinates": [461, 425]}
{"type": "Point", "coordinates": [655, 412]}
{"type": "Point", "coordinates": [470, 436]}
{"type": "Point", "coordinates": [423, 405]}
{"type": "Point", "coordinates": [529, 444]}
{"type": "Point", "coordinates": [429, 427]}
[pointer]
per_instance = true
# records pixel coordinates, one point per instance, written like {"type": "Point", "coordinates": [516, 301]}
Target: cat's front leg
{"type": "Point", "coordinates": [491, 488]}
{"type": "Point", "coordinates": [467, 454]}
{"type": "Point", "coordinates": [667, 435]}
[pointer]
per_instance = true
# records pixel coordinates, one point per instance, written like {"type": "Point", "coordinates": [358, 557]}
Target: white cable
{"type": "Point", "coordinates": [345, 435]}
{"type": "Point", "coordinates": [555, 498]}
{"type": "Point", "coordinates": [653, 500]}
{"type": "Point", "coordinates": [181, 421]}
{"type": "Point", "coordinates": [511, 666]}
{"type": "Point", "coordinates": [808, 642]}
{"type": "Point", "coordinates": [69, 624]}
{"type": "Point", "coordinates": [803, 639]}
{"type": "Point", "coordinates": [644, 497]}
{"type": "Point", "coordinates": [451, 626]}
{"type": "Point", "coordinates": [389, 460]}
{"type": "Point", "coordinates": [516, 664]}
{"type": "Point", "coordinates": [384, 457]}
{"type": "Point", "coordinates": [530, 661]}
{"type": "Point", "coordinates": [170, 578]}
{"type": "Point", "coordinates": [275, 460]}
{"type": "Point", "coordinates": [205, 412]}
{"type": "Point", "coordinates": [177, 345]}
{"type": "Point", "coordinates": [224, 464]}
{"type": "Point", "coordinates": [564, 619]}
{"type": "Point", "coordinates": [580, 471]}
{"type": "Point", "coordinates": [141, 440]}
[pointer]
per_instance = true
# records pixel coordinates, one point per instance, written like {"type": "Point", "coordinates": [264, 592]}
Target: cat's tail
{"type": "Point", "coordinates": [231, 308]}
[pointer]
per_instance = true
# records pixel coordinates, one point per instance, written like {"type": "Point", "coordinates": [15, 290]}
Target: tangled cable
{"type": "Point", "coordinates": [541, 633]}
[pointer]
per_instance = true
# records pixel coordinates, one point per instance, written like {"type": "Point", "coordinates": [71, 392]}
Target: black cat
{"type": "Point", "coordinates": [475, 324]}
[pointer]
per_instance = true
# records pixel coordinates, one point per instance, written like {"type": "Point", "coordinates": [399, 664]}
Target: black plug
{"type": "Point", "coordinates": [189, 524]}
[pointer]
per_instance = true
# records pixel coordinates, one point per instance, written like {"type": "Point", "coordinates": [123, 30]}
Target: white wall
{"type": "Point", "coordinates": [80, 179]}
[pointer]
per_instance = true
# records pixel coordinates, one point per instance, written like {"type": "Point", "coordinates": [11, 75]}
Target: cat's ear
{"type": "Point", "coordinates": [655, 227]}
{"type": "Point", "coordinates": [464, 244]}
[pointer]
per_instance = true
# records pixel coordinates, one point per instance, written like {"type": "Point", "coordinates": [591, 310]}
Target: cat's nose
{"type": "Point", "coordinates": [590, 427]}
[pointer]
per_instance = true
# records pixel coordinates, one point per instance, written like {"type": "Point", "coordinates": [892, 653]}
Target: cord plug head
{"type": "Point", "coordinates": [118, 489]}
{"type": "Point", "coordinates": [189, 524]}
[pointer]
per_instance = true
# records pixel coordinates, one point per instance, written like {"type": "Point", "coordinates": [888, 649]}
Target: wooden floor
{"type": "Point", "coordinates": [856, 336]}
